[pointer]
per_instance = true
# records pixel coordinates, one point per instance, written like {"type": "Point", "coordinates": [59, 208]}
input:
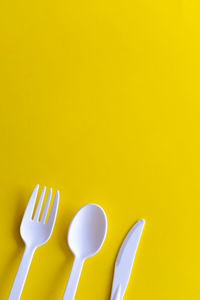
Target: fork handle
{"type": "Point", "coordinates": [21, 275]}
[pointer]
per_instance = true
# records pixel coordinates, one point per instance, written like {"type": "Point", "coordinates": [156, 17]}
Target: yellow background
{"type": "Point", "coordinates": [101, 100]}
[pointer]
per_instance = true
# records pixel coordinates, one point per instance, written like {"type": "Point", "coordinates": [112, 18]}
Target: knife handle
{"type": "Point", "coordinates": [117, 295]}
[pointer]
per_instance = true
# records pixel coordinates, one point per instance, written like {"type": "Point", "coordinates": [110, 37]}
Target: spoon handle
{"type": "Point", "coordinates": [72, 283]}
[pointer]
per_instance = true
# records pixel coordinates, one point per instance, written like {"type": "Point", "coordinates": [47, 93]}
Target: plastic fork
{"type": "Point", "coordinates": [35, 232]}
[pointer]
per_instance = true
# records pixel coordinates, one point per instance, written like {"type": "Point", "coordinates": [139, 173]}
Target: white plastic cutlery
{"type": "Point", "coordinates": [35, 232]}
{"type": "Point", "coordinates": [85, 237]}
{"type": "Point", "coordinates": [117, 295]}
{"type": "Point", "coordinates": [124, 261]}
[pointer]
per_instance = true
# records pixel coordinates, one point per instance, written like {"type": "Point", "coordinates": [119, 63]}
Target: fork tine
{"type": "Point", "coordinates": [39, 206]}
{"type": "Point", "coordinates": [31, 203]}
{"type": "Point", "coordinates": [53, 212]}
{"type": "Point", "coordinates": [46, 207]}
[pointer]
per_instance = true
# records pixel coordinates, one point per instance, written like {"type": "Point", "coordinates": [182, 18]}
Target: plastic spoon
{"type": "Point", "coordinates": [85, 237]}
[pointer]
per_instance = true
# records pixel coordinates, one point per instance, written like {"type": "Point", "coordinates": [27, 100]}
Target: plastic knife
{"type": "Point", "coordinates": [124, 261]}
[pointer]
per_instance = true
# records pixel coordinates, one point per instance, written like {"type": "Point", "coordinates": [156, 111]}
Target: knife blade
{"type": "Point", "coordinates": [124, 261]}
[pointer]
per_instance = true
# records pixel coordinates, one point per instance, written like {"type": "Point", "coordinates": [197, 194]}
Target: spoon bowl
{"type": "Point", "coordinates": [87, 231]}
